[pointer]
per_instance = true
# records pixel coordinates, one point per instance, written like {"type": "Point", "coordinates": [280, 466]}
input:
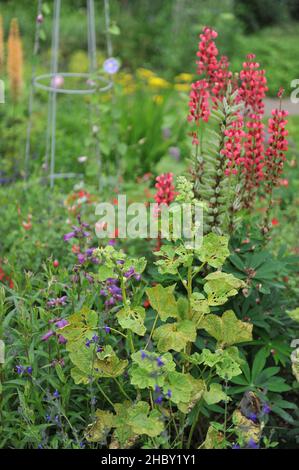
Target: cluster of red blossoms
{"type": "Point", "coordinates": [6, 279]}
{"type": "Point", "coordinates": [244, 145]}
{"type": "Point", "coordinates": [216, 71]}
{"type": "Point", "coordinates": [165, 189]}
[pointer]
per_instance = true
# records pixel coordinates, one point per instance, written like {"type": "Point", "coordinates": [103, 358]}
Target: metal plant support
{"type": "Point", "coordinates": [94, 83]}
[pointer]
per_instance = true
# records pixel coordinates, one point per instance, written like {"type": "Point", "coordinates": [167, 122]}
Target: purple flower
{"type": "Point", "coordinates": [89, 251]}
{"type": "Point", "coordinates": [236, 446]}
{"type": "Point", "coordinates": [174, 152]}
{"type": "Point", "coordinates": [59, 301]}
{"type": "Point", "coordinates": [62, 339]}
{"type": "Point", "coordinates": [69, 235]}
{"type": "Point", "coordinates": [252, 444]}
{"type": "Point", "coordinates": [95, 338]}
{"type": "Point", "coordinates": [29, 370]}
{"type": "Point", "coordinates": [99, 349]}
{"type": "Point", "coordinates": [20, 370]}
{"type": "Point", "coordinates": [87, 343]}
{"type": "Point", "coordinates": [160, 363]}
{"type": "Point", "coordinates": [81, 258]}
{"type": "Point", "coordinates": [103, 292]}
{"type": "Point", "coordinates": [111, 66]}
{"type": "Point", "coordinates": [61, 323]}
{"type": "Point", "coordinates": [48, 335]}
{"type": "Point", "coordinates": [252, 416]}
{"type": "Point", "coordinates": [40, 18]}
{"type": "Point", "coordinates": [157, 389]}
{"type": "Point", "coordinates": [266, 409]}
{"type": "Point", "coordinates": [107, 329]}
{"type": "Point", "coordinates": [159, 399]}
{"type": "Point", "coordinates": [129, 273]}
{"type": "Point", "coordinates": [137, 277]}
{"type": "Point", "coordinates": [56, 394]}
{"type": "Point", "coordinates": [48, 418]}
{"type": "Point", "coordinates": [111, 242]}
{"type": "Point", "coordinates": [169, 393]}
{"type": "Point", "coordinates": [143, 355]}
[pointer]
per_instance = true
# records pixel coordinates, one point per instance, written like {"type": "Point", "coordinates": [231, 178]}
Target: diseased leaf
{"type": "Point", "coordinates": [220, 286]}
{"type": "Point", "coordinates": [163, 301]}
{"type": "Point", "coordinates": [199, 308]}
{"type": "Point", "coordinates": [227, 329]}
{"type": "Point", "coordinates": [104, 273]}
{"type": "Point", "coordinates": [144, 421]}
{"type": "Point", "coordinates": [246, 428]}
{"type": "Point", "coordinates": [97, 431]}
{"type": "Point", "coordinates": [145, 371]}
{"type": "Point", "coordinates": [132, 319]}
{"type": "Point", "coordinates": [214, 439]}
{"type": "Point", "coordinates": [175, 335]}
{"type": "Point", "coordinates": [197, 388]}
{"type": "Point", "coordinates": [214, 250]}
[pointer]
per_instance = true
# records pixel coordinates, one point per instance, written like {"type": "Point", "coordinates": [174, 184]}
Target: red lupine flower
{"type": "Point", "coordinates": [165, 189]}
{"type": "Point", "coordinates": [199, 102]}
{"type": "Point", "coordinates": [233, 145]}
{"type": "Point", "coordinates": [277, 147]}
{"type": "Point", "coordinates": [216, 72]}
{"type": "Point", "coordinates": [253, 86]}
{"type": "Point", "coordinates": [254, 152]}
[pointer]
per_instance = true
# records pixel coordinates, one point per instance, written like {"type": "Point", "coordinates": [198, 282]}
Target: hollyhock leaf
{"type": "Point", "coordinates": [197, 388]}
{"type": "Point", "coordinates": [220, 286]}
{"type": "Point", "coordinates": [179, 384]}
{"type": "Point", "coordinates": [175, 335]}
{"type": "Point", "coordinates": [104, 273]}
{"type": "Point", "coordinates": [98, 430]}
{"type": "Point", "coordinates": [81, 325]}
{"type": "Point", "coordinates": [107, 364]}
{"type": "Point", "coordinates": [146, 373]}
{"type": "Point", "coordinates": [245, 428]}
{"type": "Point", "coordinates": [78, 376]}
{"type": "Point", "coordinates": [294, 314]}
{"type": "Point", "coordinates": [214, 250]}
{"type": "Point", "coordinates": [139, 264]}
{"type": "Point", "coordinates": [214, 439]}
{"type": "Point", "coordinates": [227, 329]}
{"type": "Point", "coordinates": [169, 263]}
{"type": "Point", "coordinates": [123, 432]}
{"type": "Point", "coordinates": [132, 319]}
{"type": "Point", "coordinates": [215, 394]}
{"type": "Point", "coordinates": [144, 421]}
{"type": "Point", "coordinates": [199, 308]}
{"type": "Point", "coordinates": [162, 300]}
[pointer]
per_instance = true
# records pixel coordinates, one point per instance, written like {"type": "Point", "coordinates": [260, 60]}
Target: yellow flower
{"type": "Point", "coordinates": [158, 99]}
{"type": "Point", "coordinates": [182, 87]}
{"type": "Point", "coordinates": [184, 77]}
{"type": "Point", "coordinates": [144, 73]}
{"type": "Point", "coordinates": [157, 82]}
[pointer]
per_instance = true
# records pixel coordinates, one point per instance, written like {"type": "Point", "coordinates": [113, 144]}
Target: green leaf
{"type": "Point", "coordinates": [196, 391]}
{"type": "Point", "coordinates": [146, 373]}
{"type": "Point", "coordinates": [259, 363]}
{"type": "Point", "coordinates": [114, 29]}
{"type": "Point", "coordinates": [139, 264]}
{"type": "Point", "coordinates": [227, 330]}
{"type": "Point", "coordinates": [162, 300]}
{"type": "Point", "coordinates": [214, 250]}
{"type": "Point", "coordinates": [175, 335]}
{"type": "Point", "coordinates": [215, 394]}
{"type": "Point", "coordinates": [104, 273]}
{"type": "Point", "coordinates": [179, 384]}
{"type": "Point", "coordinates": [132, 319]}
{"type": "Point", "coordinates": [220, 286]}
{"type": "Point", "coordinates": [144, 421]}
{"type": "Point", "coordinates": [81, 325]}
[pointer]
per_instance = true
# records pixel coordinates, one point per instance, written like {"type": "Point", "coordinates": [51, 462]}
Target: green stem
{"type": "Point", "coordinates": [152, 331]}
{"type": "Point", "coordinates": [122, 389]}
{"type": "Point", "coordinates": [193, 428]}
{"type": "Point", "coordinates": [105, 396]}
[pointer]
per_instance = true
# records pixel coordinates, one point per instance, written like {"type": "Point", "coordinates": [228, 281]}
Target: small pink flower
{"type": "Point", "coordinates": [57, 81]}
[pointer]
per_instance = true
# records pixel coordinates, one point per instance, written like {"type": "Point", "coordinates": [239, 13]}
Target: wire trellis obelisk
{"type": "Point", "coordinates": [93, 83]}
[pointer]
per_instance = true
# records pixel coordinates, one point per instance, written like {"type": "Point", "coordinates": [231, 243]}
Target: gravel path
{"type": "Point", "coordinates": [272, 103]}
